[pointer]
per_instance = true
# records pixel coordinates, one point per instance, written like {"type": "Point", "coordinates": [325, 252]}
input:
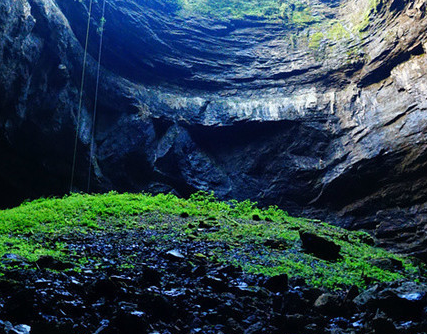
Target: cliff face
{"type": "Point", "coordinates": [324, 116]}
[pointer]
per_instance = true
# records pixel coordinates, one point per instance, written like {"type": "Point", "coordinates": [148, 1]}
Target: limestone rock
{"type": "Point", "coordinates": [323, 122]}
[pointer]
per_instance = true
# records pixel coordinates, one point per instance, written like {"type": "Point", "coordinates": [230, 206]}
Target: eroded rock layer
{"type": "Point", "coordinates": [324, 117]}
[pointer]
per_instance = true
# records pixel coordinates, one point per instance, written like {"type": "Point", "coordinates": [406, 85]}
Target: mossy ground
{"type": "Point", "coordinates": [258, 240]}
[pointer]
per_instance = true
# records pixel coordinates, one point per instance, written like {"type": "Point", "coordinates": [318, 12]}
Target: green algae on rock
{"type": "Point", "coordinates": [291, 11]}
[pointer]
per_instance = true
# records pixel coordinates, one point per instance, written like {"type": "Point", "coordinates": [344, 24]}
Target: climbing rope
{"type": "Point", "coordinates": [81, 97]}
{"type": "Point", "coordinates": [92, 141]}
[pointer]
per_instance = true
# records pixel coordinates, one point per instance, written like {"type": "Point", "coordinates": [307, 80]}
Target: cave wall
{"type": "Point", "coordinates": [331, 127]}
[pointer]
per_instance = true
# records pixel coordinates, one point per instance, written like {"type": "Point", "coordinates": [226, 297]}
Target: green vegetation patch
{"type": "Point", "coordinates": [334, 31]}
{"type": "Point", "coordinates": [258, 240]}
{"type": "Point", "coordinates": [338, 32]}
{"type": "Point", "coordinates": [362, 17]}
{"type": "Point", "coordinates": [290, 11]}
{"type": "Point", "coordinates": [315, 40]}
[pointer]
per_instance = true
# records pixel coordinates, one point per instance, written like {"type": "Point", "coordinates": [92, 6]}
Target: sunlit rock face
{"type": "Point", "coordinates": [322, 111]}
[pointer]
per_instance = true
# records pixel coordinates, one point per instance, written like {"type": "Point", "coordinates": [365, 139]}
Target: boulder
{"type": "Point", "coordinates": [328, 304]}
{"type": "Point", "coordinates": [320, 246]}
{"type": "Point", "coordinates": [277, 283]}
{"type": "Point", "coordinates": [48, 262]}
{"type": "Point", "coordinates": [405, 301]}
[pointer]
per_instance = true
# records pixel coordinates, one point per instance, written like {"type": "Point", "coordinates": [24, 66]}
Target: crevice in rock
{"type": "Point", "coordinates": [384, 70]}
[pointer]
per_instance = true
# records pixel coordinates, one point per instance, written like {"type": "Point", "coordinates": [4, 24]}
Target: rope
{"type": "Point", "coordinates": [92, 141]}
{"type": "Point", "coordinates": [80, 98]}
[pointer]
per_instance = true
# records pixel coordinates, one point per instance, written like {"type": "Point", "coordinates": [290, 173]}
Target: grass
{"type": "Point", "coordinates": [242, 232]}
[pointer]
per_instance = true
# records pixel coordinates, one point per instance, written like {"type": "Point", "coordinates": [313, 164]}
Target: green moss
{"type": "Point", "coordinates": [363, 19]}
{"type": "Point", "coordinates": [337, 32]}
{"type": "Point", "coordinates": [28, 247]}
{"type": "Point", "coordinates": [250, 252]}
{"type": "Point", "coordinates": [315, 39]}
{"type": "Point", "coordinates": [241, 231]}
{"type": "Point", "coordinates": [232, 9]}
{"type": "Point", "coordinates": [290, 11]}
{"type": "Point", "coordinates": [303, 17]}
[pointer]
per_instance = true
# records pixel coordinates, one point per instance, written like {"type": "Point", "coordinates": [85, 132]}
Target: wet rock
{"type": "Point", "coordinates": [367, 239]}
{"type": "Point", "coordinates": [157, 306]}
{"type": "Point", "coordinates": [279, 244]}
{"type": "Point", "coordinates": [8, 285]}
{"type": "Point", "coordinates": [73, 308]}
{"type": "Point", "coordinates": [11, 259]}
{"type": "Point", "coordinates": [205, 225]}
{"type": "Point", "coordinates": [310, 293]}
{"type": "Point", "coordinates": [103, 287]}
{"type": "Point", "coordinates": [320, 246]}
{"type": "Point", "coordinates": [198, 296]}
{"type": "Point", "coordinates": [103, 327]}
{"type": "Point", "coordinates": [367, 296]}
{"type": "Point", "coordinates": [230, 270]}
{"type": "Point", "coordinates": [130, 319]}
{"type": "Point", "coordinates": [217, 299]}
{"type": "Point", "coordinates": [216, 283]}
{"type": "Point", "coordinates": [20, 305]}
{"type": "Point", "coordinates": [294, 302]}
{"type": "Point", "coordinates": [175, 255]}
{"type": "Point", "coordinates": [340, 322]}
{"type": "Point", "coordinates": [255, 328]}
{"type": "Point", "coordinates": [389, 264]}
{"type": "Point", "coordinates": [8, 328]}
{"type": "Point", "coordinates": [233, 327]}
{"type": "Point", "coordinates": [295, 322]}
{"type": "Point", "coordinates": [412, 298]}
{"type": "Point", "coordinates": [312, 328]}
{"type": "Point", "coordinates": [352, 293]}
{"type": "Point", "coordinates": [402, 302]}
{"type": "Point", "coordinates": [48, 262]}
{"type": "Point", "coordinates": [184, 215]}
{"type": "Point", "coordinates": [42, 283]}
{"type": "Point", "coordinates": [199, 270]}
{"type": "Point", "coordinates": [121, 279]}
{"type": "Point", "coordinates": [328, 304]}
{"type": "Point", "coordinates": [256, 218]}
{"type": "Point", "coordinates": [383, 325]}
{"type": "Point", "coordinates": [150, 276]}
{"type": "Point", "coordinates": [277, 283]}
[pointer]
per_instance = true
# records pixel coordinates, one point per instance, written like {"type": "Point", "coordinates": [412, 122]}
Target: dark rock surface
{"type": "Point", "coordinates": [247, 108]}
{"type": "Point", "coordinates": [320, 246]}
{"type": "Point", "coordinates": [127, 286]}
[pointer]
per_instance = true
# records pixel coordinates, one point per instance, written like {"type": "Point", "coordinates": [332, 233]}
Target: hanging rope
{"type": "Point", "coordinates": [95, 104]}
{"type": "Point", "coordinates": [80, 98]}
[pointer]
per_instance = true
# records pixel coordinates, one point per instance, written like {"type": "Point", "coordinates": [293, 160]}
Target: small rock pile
{"type": "Point", "coordinates": [174, 288]}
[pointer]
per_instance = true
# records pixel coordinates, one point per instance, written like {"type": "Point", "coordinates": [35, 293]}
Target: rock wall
{"type": "Point", "coordinates": [326, 119]}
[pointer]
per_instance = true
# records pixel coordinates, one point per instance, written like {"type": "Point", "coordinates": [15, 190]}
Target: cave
{"type": "Point", "coordinates": [317, 107]}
